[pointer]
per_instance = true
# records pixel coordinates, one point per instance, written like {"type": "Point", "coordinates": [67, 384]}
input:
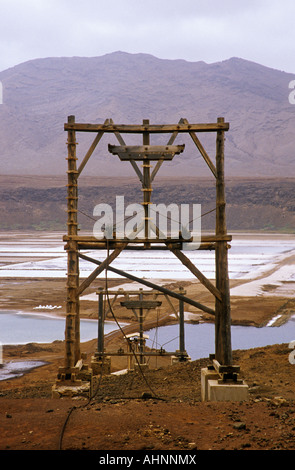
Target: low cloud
{"type": "Point", "coordinates": [259, 30]}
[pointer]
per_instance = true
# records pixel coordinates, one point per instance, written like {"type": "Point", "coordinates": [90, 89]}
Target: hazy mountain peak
{"type": "Point", "coordinates": [38, 95]}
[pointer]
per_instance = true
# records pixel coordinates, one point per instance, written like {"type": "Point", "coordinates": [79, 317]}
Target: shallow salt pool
{"type": "Point", "coordinates": [200, 338]}
{"type": "Point", "coordinates": [21, 328]}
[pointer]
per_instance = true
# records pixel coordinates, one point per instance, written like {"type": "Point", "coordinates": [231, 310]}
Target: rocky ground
{"type": "Point", "coordinates": [159, 409]}
{"type": "Point", "coordinates": [153, 409]}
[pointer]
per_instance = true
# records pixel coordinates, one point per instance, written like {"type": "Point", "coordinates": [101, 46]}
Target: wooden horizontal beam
{"type": "Point", "coordinates": [146, 152]}
{"type": "Point", "coordinates": [121, 292]}
{"type": "Point", "coordinates": [123, 241]}
{"type": "Point", "coordinates": [159, 352]}
{"type": "Point", "coordinates": [150, 128]}
{"type": "Point", "coordinates": [141, 303]}
{"type": "Point", "coordinates": [104, 245]}
{"type": "Point", "coordinates": [222, 369]}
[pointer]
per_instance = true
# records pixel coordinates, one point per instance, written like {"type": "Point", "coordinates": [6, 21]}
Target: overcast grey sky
{"type": "Point", "coordinates": [262, 31]}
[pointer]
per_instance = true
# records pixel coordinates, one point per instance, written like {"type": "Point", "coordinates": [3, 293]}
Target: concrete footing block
{"type": "Point", "coordinates": [207, 374]}
{"type": "Point", "coordinates": [137, 367]}
{"type": "Point", "coordinates": [63, 390]}
{"type": "Point", "coordinates": [227, 391]}
{"type": "Point", "coordinates": [179, 359]}
{"type": "Point", "coordinates": [213, 390]}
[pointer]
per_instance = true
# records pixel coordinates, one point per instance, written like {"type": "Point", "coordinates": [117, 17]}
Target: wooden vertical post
{"type": "Point", "coordinates": [181, 327]}
{"type": "Point", "coordinates": [141, 340]}
{"type": "Point", "coordinates": [146, 186]}
{"type": "Point", "coordinates": [72, 333]}
{"type": "Point", "coordinates": [223, 351]}
{"type": "Point", "coordinates": [100, 334]}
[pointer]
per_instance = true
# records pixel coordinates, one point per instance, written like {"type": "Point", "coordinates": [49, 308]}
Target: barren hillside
{"type": "Point", "coordinates": [38, 96]}
{"type": "Point", "coordinates": [39, 203]}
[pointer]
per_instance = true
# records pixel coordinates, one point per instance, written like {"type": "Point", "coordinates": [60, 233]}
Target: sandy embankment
{"type": "Point", "coordinates": [254, 301]}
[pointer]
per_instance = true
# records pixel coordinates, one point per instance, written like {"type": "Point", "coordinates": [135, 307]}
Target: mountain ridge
{"type": "Point", "coordinates": [39, 94]}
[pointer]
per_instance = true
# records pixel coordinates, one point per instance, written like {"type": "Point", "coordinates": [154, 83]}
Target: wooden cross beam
{"type": "Point", "coordinates": [148, 304]}
{"type": "Point", "coordinates": [146, 152]}
{"type": "Point", "coordinates": [150, 128]}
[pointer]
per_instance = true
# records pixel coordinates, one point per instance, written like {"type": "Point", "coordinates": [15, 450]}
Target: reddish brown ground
{"type": "Point", "coordinates": [160, 409]}
{"type": "Point", "coordinates": [170, 417]}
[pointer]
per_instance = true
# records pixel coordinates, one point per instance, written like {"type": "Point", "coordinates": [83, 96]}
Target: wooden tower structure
{"type": "Point", "coordinates": [75, 244]}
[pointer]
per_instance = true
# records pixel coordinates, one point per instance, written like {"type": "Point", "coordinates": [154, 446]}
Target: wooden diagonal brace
{"type": "Point", "coordinates": [91, 149]}
{"type": "Point", "coordinates": [133, 163]}
{"type": "Point", "coordinates": [170, 142]}
{"type": "Point", "coordinates": [202, 150]}
{"type": "Point", "coordinates": [208, 284]}
{"type": "Point", "coordinates": [99, 269]}
{"type": "Point", "coordinates": [147, 283]}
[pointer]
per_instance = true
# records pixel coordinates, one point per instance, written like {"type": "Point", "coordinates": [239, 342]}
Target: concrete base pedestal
{"type": "Point", "coordinates": [207, 374]}
{"type": "Point", "coordinates": [227, 391]}
{"type": "Point", "coordinates": [71, 390]}
{"type": "Point", "coordinates": [100, 365]}
{"type": "Point", "coordinates": [73, 382]}
{"type": "Point", "coordinates": [178, 359]}
{"type": "Point", "coordinates": [212, 390]}
{"type": "Point", "coordinates": [137, 366]}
